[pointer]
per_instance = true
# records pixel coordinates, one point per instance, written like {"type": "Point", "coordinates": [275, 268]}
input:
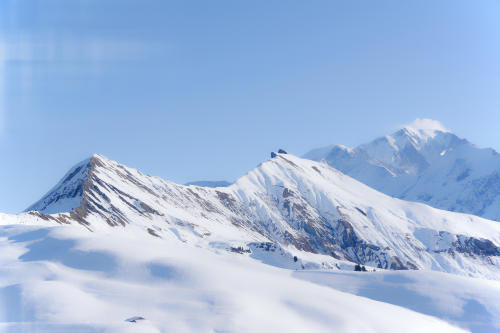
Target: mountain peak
{"type": "Point", "coordinates": [425, 162]}
{"type": "Point", "coordinates": [96, 158]}
{"type": "Point", "coordinates": [67, 193]}
{"type": "Point", "coordinates": [425, 128]}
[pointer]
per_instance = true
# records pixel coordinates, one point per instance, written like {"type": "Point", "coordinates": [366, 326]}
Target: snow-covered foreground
{"type": "Point", "coordinates": [60, 279]}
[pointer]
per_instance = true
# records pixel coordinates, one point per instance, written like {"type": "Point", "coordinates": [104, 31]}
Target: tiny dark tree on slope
{"type": "Point", "coordinates": [359, 268]}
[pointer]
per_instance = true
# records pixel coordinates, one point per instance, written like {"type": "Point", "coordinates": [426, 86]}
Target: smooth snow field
{"type": "Point", "coordinates": [60, 279]}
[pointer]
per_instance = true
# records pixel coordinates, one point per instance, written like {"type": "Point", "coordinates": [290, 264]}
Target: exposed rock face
{"type": "Point", "coordinates": [479, 247]}
{"type": "Point", "coordinates": [285, 201]}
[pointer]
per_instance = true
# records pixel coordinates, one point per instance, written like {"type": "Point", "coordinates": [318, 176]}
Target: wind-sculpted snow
{"type": "Point", "coordinates": [163, 285]}
{"type": "Point", "coordinates": [297, 204]}
{"type": "Point", "coordinates": [424, 162]}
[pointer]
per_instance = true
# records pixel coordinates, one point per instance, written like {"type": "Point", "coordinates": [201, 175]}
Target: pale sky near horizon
{"type": "Point", "coordinates": [204, 90]}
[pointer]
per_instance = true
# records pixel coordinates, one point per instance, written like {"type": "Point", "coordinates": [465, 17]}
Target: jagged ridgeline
{"type": "Point", "coordinates": [286, 201]}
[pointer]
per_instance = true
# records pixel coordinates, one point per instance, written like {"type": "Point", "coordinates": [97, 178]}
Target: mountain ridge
{"type": "Point", "coordinates": [288, 201]}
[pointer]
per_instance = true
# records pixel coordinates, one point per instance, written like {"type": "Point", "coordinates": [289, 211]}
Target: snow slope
{"type": "Point", "coordinates": [424, 162]}
{"type": "Point", "coordinates": [67, 194]}
{"type": "Point", "coordinates": [293, 205]}
{"type": "Point", "coordinates": [465, 302]}
{"type": "Point", "coordinates": [60, 279]}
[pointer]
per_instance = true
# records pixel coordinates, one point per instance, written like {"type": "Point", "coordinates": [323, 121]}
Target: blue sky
{"type": "Point", "coordinates": [195, 90]}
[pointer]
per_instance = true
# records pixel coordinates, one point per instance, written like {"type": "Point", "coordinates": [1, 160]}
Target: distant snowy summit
{"type": "Point", "coordinates": [424, 162]}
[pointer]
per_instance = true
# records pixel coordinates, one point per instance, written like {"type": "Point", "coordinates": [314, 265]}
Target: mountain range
{"type": "Point", "coordinates": [286, 202]}
{"type": "Point", "coordinates": [427, 163]}
{"type": "Point", "coordinates": [110, 249]}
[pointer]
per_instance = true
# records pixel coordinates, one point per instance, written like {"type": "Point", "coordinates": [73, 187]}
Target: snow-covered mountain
{"type": "Point", "coordinates": [424, 162]}
{"type": "Point", "coordinates": [110, 249]}
{"type": "Point", "coordinates": [286, 207]}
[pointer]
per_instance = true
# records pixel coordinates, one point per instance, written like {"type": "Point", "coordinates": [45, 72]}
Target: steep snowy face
{"type": "Point", "coordinates": [427, 163]}
{"type": "Point", "coordinates": [67, 194]}
{"type": "Point", "coordinates": [291, 204]}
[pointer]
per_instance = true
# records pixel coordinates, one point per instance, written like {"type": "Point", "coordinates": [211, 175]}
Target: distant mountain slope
{"type": "Point", "coordinates": [424, 162]}
{"type": "Point", "coordinates": [209, 183]}
{"type": "Point", "coordinates": [285, 203]}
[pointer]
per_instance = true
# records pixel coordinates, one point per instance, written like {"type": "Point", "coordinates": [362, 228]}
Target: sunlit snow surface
{"type": "Point", "coordinates": [60, 279]}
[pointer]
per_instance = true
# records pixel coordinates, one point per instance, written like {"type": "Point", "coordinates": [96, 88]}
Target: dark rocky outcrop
{"type": "Point", "coordinates": [480, 247]}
